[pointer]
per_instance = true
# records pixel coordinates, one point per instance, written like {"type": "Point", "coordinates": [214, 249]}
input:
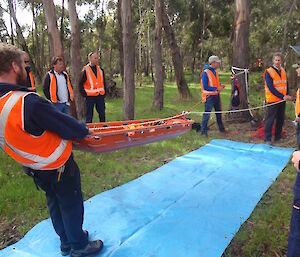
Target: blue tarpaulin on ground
{"type": "Point", "coordinates": [190, 207]}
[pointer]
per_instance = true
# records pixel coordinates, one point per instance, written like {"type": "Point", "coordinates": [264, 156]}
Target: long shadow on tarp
{"type": "Point", "coordinates": [190, 207]}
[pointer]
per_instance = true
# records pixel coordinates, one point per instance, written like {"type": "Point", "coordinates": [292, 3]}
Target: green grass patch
{"type": "Point", "coordinates": [264, 234]}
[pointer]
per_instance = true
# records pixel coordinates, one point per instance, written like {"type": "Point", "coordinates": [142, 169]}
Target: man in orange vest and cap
{"type": "Point", "coordinates": [30, 79]}
{"type": "Point", "coordinates": [38, 136]}
{"type": "Point", "coordinates": [92, 87]}
{"type": "Point", "coordinates": [211, 87]}
{"type": "Point", "coordinates": [276, 93]}
{"type": "Point", "coordinates": [57, 86]}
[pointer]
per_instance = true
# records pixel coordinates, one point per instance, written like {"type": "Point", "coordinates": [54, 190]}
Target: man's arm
{"type": "Point", "coordinates": [46, 86]}
{"type": "Point", "coordinates": [41, 115]}
{"type": "Point", "coordinates": [82, 79]}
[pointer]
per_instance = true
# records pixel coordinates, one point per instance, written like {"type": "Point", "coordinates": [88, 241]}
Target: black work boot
{"type": "Point", "coordinates": [91, 249]}
{"type": "Point", "coordinates": [66, 248]}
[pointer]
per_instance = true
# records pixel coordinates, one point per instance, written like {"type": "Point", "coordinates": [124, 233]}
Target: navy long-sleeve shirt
{"type": "Point", "coordinates": [204, 78]}
{"type": "Point", "coordinates": [270, 85]}
{"type": "Point", "coordinates": [41, 115]}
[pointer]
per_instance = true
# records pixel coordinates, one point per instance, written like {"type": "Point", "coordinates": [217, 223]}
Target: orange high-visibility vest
{"type": "Point", "coordinates": [53, 87]}
{"type": "Point", "coordinates": [93, 86]}
{"type": "Point", "coordinates": [279, 82]}
{"type": "Point", "coordinates": [45, 152]}
{"type": "Point", "coordinates": [297, 105]}
{"type": "Point", "coordinates": [213, 81]}
{"type": "Point", "coordinates": [31, 80]}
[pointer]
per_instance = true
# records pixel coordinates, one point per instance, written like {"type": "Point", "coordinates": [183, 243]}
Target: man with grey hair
{"type": "Point", "coordinates": [276, 93]}
{"type": "Point", "coordinates": [211, 87]}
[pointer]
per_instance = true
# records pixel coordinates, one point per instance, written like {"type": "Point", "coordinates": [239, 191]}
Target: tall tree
{"type": "Point", "coordinates": [79, 110]}
{"type": "Point", "coordinates": [120, 39]}
{"type": "Point", "coordinates": [129, 56]}
{"type": "Point", "coordinates": [241, 50]}
{"type": "Point", "coordinates": [157, 50]}
{"type": "Point", "coordinates": [56, 48]}
{"type": "Point", "coordinates": [183, 90]}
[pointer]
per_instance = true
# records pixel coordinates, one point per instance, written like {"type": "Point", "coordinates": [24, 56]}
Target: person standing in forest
{"type": "Point", "coordinates": [30, 80]}
{"type": "Point", "coordinates": [57, 86]}
{"type": "Point", "coordinates": [38, 136]}
{"type": "Point", "coordinates": [276, 92]}
{"type": "Point", "coordinates": [211, 87]}
{"type": "Point", "coordinates": [92, 86]}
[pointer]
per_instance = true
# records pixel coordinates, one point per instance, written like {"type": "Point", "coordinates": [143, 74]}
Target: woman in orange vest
{"type": "Point", "coordinates": [57, 86]}
{"type": "Point", "coordinates": [36, 135]}
{"type": "Point", "coordinates": [276, 90]}
{"type": "Point", "coordinates": [92, 87]}
{"type": "Point", "coordinates": [211, 87]}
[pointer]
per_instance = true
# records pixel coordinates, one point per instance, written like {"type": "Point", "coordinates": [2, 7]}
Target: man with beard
{"type": "Point", "coordinates": [36, 135]}
{"type": "Point", "coordinates": [30, 80]}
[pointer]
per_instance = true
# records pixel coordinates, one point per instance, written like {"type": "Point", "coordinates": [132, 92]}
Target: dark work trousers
{"type": "Point", "coordinates": [294, 237]}
{"type": "Point", "coordinates": [91, 102]}
{"type": "Point", "coordinates": [212, 101]}
{"type": "Point", "coordinates": [65, 204]}
{"type": "Point", "coordinates": [277, 112]}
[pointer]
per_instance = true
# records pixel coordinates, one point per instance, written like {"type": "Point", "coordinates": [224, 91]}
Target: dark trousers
{"type": "Point", "coordinates": [212, 101]}
{"type": "Point", "coordinates": [64, 200]}
{"type": "Point", "coordinates": [277, 112]}
{"type": "Point", "coordinates": [62, 107]}
{"type": "Point", "coordinates": [294, 237]}
{"type": "Point", "coordinates": [91, 102]}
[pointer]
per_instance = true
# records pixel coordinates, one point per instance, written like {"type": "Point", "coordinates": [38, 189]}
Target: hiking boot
{"type": "Point", "coordinates": [66, 248]}
{"type": "Point", "coordinates": [91, 249]}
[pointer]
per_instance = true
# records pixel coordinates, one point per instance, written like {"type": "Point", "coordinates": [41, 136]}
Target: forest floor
{"type": "Point", "coordinates": [266, 231]}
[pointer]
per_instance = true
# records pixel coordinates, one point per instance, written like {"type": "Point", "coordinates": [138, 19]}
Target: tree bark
{"type": "Point", "coordinates": [55, 43]}
{"type": "Point", "coordinates": [62, 30]}
{"type": "Point", "coordinates": [79, 109]}
{"type": "Point", "coordinates": [120, 41]}
{"type": "Point", "coordinates": [158, 100]}
{"type": "Point", "coordinates": [183, 90]}
{"type": "Point", "coordinates": [240, 53]}
{"type": "Point", "coordinates": [140, 75]}
{"type": "Point", "coordinates": [128, 48]}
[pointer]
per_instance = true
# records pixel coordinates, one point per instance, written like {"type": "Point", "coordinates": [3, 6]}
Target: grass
{"type": "Point", "coordinates": [263, 234]}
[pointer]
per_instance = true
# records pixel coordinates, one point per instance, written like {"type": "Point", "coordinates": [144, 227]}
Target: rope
{"type": "Point", "coordinates": [240, 110]}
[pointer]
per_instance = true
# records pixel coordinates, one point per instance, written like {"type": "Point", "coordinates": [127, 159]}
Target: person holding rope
{"type": "Point", "coordinates": [38, 136]}
{"type": "Point", "coordinates": [211, 87]}
{"type": "Point", "coordinates": [276, 91]}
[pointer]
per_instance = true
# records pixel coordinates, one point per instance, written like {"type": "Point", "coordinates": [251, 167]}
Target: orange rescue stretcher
{"type": "Point", "coordinates": [110, 136]}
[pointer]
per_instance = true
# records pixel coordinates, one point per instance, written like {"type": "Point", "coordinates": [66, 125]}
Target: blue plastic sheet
{"type": "Point", "coordinates": [190, 207]}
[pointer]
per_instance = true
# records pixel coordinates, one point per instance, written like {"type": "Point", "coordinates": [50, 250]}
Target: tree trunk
{"type": "Point", "coordinates": [55, 43]}
{"type": "Point", "coordinates": [183, 90]}
{"type": "Point", "coordinates": [158, 100]}
{"type": "Point", "coordinates": [62, 30]}
{"type": "Point", "coordinates": [240, 53]}
{"type": "Point", "coordinates": [11, 24]}
{"type": "Point", "coordinates": [78, 109]}
{"type": "Point", "coordinates": [120, 41]}
{"type": "Point", "coordinates": [128, 48]}
{"type": "Point", "coordinates": [140, 76]}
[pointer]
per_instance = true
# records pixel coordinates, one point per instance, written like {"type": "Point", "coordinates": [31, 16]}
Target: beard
{"type": "Point", "coordinates": [21, 79]}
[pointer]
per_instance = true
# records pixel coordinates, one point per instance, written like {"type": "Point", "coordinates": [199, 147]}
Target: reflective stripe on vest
{"type": "Point", "coordinates": [94, 85]}
{"type": "Point", "coordinates": [31, 80]}
{"type": "Point", "coordinates": [53, 87]}
{"type": "Point", "coordinates": [279, 83]}
{"type": "Point", "coordinates": [60, 149]}
{"type": "Point", "coordinates": [213, 81]}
